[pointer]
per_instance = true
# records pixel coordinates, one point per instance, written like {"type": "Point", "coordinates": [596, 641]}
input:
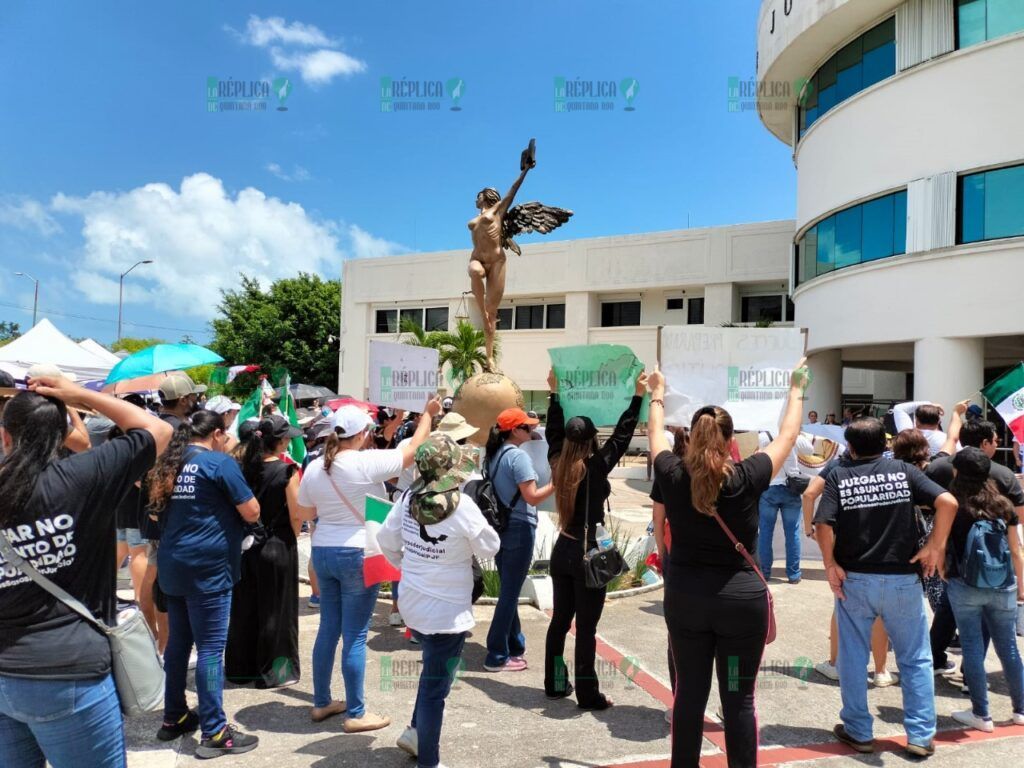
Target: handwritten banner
{"type": "Point", "coordinates": [596, 380]}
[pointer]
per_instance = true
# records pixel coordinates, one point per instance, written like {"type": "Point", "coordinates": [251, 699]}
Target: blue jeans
{"type": "Point", "coordinates": [995, 609]}
{"type": "Point", "coordinates": [441, 665]}
{"type": "Point", "coordinates": [778, 498]}
{"type": "Point", "coordinates": [505, 637]}
{"type": "Point", "coordinates": [899, 601]}
{"type": "Point", "coordinates": [69, 723]}
{"type": "Point", "coordinates": [346, 606]}
{"type": "Point", "coordinates": [203, 620]}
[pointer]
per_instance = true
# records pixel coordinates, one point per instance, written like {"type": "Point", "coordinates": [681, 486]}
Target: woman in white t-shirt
{"type": "Point", "coordinates": [333, 491]}
{"type": "Point", "coordinates": [440, 529]}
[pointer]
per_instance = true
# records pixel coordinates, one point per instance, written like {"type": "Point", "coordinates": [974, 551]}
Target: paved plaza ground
{"type": "Point", "coordinates": [505, 720]}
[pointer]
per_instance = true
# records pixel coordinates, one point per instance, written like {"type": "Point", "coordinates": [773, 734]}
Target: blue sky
{"type": "Point", "coordinates": [110, 155]}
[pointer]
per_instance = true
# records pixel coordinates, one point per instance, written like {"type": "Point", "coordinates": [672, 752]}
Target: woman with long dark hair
{"type": "Point", "coordinates": [58, 703]}
{"type": "Point", "coordinates": [203, 502]}
{"type": "Point", "coordinates": [263, 638]}
{"type": "Point", "coordinates": [975, 605]}
{"type": "Point", "coordinates": [515, 484]}
{"type": "Point", "coordinates": [580, 468]}
{"type": "Point", "coordinates": [716, 604]}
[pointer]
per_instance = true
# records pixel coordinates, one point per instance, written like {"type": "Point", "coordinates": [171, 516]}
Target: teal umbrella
{"type": "Point", "coordinates": [160, 358]}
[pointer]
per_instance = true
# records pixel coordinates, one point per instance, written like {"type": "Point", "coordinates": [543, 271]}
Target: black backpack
{"type": "Point", "coordinates": [496, 513]}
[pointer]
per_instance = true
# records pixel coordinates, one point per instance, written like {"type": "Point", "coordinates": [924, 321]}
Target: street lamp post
{"type": "Point", "coordinates": [120, 297]}
{"type": "Point", "coordinates": [35, 302]}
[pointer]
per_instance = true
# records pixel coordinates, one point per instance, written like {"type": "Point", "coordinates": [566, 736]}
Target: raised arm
{"type": "Point", "coordinates": [955, 422]}
{"type": "Point", "coordinates": [789, 428]}
{"type": "Point", "coordinates": [658, 443]}
{"type": "Point", "coordinates": [555, 428]}
{"type": "Point", "coordinates": [506, 201]}
{"type": "Point", "coordinates": [903, 414]}
{"type": "Point", "coordinates": [616, 445]}
{"type": "Point", "coordinates": [78, 438]}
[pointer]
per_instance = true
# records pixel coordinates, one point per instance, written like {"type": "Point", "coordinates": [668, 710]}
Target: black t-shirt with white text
{"type": "Point", "coordinates": [66, 531]}
{"type": "Point", "coordinates": [941, 471]}
{"type": "Point", "coordinates": [870, 505]}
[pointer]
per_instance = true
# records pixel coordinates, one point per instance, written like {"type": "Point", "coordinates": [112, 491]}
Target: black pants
{"type": "Point", "coordinates": [573, 598]}
{"type": "Point", "coordinates": [729, 633]}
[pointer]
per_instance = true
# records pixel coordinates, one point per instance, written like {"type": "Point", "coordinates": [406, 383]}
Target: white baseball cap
{"type": "Point", "coordinates": [350, 420]}
{"type": "Point", "coordinates": [222, 404]}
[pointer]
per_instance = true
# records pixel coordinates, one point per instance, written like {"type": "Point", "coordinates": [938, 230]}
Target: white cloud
{"type": "Point", "coordinates": [298, 172]}
{"type": "Point", "coordinates": [286, 41]}
{"type": "Point", "coordinates": [367, 246]}
{"type": "Point", "coordinates": [318, 67]}
{"type": "Point", "coordinates": [27, 214]}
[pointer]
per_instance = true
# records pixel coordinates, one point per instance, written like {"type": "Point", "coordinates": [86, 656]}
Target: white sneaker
{"type": "Point", "coordinates": [949, 669]}
{"type": "Point", "coordinates": [193, 659]}
{"type": "Point", "coordinates": [882, 679]}
{"type": "Point", "coordinates": [395, 619]}
{"type": "Point", "coordinates": [825, 669]}
{"type": "Point", "coordinates": [408, 742]}
{"type": "Point", "coordinates": [967, 717]}
{"type": "Point", "coordinates": [1018, 718]}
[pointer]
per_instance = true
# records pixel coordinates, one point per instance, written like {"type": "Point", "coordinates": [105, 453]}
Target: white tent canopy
{"type": "Point", "coordinates": [100, 351]}
{"type": "Point", "coordinates": [44, 343]}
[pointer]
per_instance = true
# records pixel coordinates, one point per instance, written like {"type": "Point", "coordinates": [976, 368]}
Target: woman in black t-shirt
{"type": "Point", "coordinates": [716, 604]}
{"type": "Point", "coordinates": [58, 703]}
{"type": "Point", "coordinates": [580, 475]}
{"type": "Point", "coordinates": [263, 637]}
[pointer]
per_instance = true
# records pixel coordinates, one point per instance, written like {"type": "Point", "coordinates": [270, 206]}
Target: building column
{"type": "Point", "coordinates": [948, 370]}
{"type": "Point", "coordinates": [721, 303]}
{"type": "Point", "coordinates": [826, 391]}
{"type": "Point", "coordinates": [579, 316]}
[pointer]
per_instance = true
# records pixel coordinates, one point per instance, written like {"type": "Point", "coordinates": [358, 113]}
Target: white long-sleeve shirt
{"type": "Point", "coordinates": [903, 416]}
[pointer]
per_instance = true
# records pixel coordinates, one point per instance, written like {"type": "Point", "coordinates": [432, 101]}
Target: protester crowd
{"type": "Point", "coordinates": [208, 513]}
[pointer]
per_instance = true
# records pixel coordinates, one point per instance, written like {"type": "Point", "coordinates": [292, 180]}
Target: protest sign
{"type": "Point", "coordinates": [596, 380]}
{"type": "Point", "coordinates": [401, 375]}
{"type": "Point", "coordinates": [744, 370]}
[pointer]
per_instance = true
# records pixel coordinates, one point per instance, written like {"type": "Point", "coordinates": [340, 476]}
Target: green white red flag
{"type": "Point", "coordinates": [1007, 396]}
{"type": "Point", "coordinates": [376, 567]}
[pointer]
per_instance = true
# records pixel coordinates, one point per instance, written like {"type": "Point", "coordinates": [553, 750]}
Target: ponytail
{"type": "Point", "coordinates": [707, 457]}
{"type": "Point", "coordinates": [161, 478]}
{"type": "Point", "coordinates": [495, 439]}
{"type": "Point", "coordinates": [261, 444]}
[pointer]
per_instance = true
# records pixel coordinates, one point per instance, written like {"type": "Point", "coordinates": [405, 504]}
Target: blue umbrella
{"type": "Point", "coordinates": [160, 358]}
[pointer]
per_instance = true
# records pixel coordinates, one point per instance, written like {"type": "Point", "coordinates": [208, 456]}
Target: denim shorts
{"type": "Point", "coordinates": [133, 536]}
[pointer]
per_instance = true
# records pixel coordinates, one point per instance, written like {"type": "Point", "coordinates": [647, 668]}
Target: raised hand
{"type": "Point", "coordinates": [433, 406]}
{"type": "Point", "coordinates": [656, 383]}
{"type": "Point", "coordinates": [552, 380]}
{"type": "Point", "coordinates": [55, 386]}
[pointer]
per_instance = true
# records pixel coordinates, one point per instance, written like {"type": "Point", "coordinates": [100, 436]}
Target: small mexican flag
{"type": "Point", "coordinates": [376, 567]}
{"type": "Point", "coordinates": [1007, 395]}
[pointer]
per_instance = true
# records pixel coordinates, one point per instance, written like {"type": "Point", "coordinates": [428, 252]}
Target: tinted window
{"type": "Point", "coordinates": [437, 319]}
{"type": "Point", "coordinates": [415, 315]}
{"type": "Point", "coordinates": [991, 205]}
{"type": "Point", "coordinates": [556, 316]}
{"type": "Point", "coordinates": [981, 20]}
{"type": "Point", "coordinates": [878, 229]}
{"type": "Point", "coordinates": [529, 316]}
{"type": "Point", "coordinates": [387, 321]}
{"type": "Point", "coordinates": [674, 304]}
{"type": "Point", "coordinates": [616, 313]}
{"type": "Point", "coordinates": [505, 319]}
{"type": "Point", "coordinates": [848, 237]}
{"type": "Point", "coordinates": [695, 312]}
{"type": "Point", "coordinates": [757, 308]}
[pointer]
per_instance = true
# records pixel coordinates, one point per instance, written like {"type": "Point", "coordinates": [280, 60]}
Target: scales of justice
{"type": "Point", "coordinates": [482, 397]}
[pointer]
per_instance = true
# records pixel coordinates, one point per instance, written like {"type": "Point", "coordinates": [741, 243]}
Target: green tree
{"type": "Point", "coordinates": [8, 332]}
{"type": "Point", "coordinates": [293, 325]}
{"type": "Point", "coordinates": [131, 346]}
{"type": "Point", "coordinates": [462, 351]}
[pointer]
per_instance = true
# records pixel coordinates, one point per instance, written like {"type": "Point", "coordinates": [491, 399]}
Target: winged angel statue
{"type": "Point", "coordinates": [493, 229]}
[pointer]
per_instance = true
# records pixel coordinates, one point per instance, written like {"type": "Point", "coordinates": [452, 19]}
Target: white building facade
{"type": "Point", "coordinates": [906, 121]}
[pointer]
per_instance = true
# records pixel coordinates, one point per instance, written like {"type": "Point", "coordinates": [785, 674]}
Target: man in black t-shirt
{"type": "Point", "coordinates": [868, 531]}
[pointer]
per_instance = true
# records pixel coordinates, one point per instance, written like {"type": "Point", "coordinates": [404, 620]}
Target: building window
{"type": "Point", "coordinates": [673, 304]}
{"type": "Point", "coordinates": [695, 312]}
{"type": "Point", "coordinates": [413, 315]}
{"type": "Point", "coordinates": [873, 230]}
{"type": "Point", "coordinates": [387, 321]}
{"type": "Point", "coordinates": [505, 319]}
{"type": "Point", "coordinates": [856, 66]}
{"type": "Point", "coordinates": [991, 205]}
{"type": "Point", "coordinates": [761, 308]}
{"type": "Point", "coordinates": [556, 316]}
{"type": "Point", "coordinates": [437, 319]}
{"type": "Point", "coordinates": [981, 20]}
{"type": "Point", "coordinates": [618, 313]}
{"type": "Point", "coordinates": [529, 317]}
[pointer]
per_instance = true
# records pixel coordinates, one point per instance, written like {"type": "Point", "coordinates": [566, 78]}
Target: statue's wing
{"type": "Point", "coordinates": [531, 217]}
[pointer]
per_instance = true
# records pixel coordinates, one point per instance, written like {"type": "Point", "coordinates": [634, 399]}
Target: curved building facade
{"type": "Point", "coordinates": [906, 121]}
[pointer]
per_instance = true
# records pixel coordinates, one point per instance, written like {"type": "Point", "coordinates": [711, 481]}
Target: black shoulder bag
{"type": "Point", "coordinates": [599, 566]}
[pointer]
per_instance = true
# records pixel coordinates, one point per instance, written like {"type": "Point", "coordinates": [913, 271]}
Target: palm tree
{"type": "Point", "coordinates": [462, 350]}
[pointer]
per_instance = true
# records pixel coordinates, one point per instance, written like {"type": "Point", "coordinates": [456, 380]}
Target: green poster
{"type": "Point", "coordinates": [596, 380]}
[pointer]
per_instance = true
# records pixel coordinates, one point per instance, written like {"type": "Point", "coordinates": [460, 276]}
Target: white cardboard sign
{"type": "Point", "coordinates": [401, 375]}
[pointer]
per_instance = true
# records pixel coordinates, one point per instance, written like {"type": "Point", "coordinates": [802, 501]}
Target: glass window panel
{"type": "Point", "coordinates": [1004, 202]}
{"type": "Point", "coordinates": [529, 316]}
{"type": "Point", "coordinates": [674, 304]}
{"type": "Point", "coordinates": [1004, 18]}
{"type": "Point", "coordinates": [827, 74]}
{"type": "Point", "coordinates": [695, 311]}
{"type": "Point", "coordinates": [899, 222]}
{"type": "Point", "coordinates": [437, 319]}
{"type": "Point", "coordinates": [827, 99]}
{"type": "Point", "coordinates": [970, 22]}
{"type": "Point", "coordinates": [878, 229]}
{"type": "Point", "coordinates": [826, 261]}
{"type": "Point", "coordinates": [755, 308]}
{"type": "Point", "coordinates": [790, 309]}
{"type": "Point", "coordinates": [810, 117]}
{"type": "Point", "coordinates": [416, 315]}
{"type": "Point", "coordinates": [971, 223]}
{"type": "Point", "coordinates": [619, 313]}
{"type": "Point", "coordinates": [880, 35]}
{"type": "Point", "coordinates": [848, 237]}
{"type": "Point", "coordinates": [879, 64]}
{"type": "Point", "coordinates": [504, 318]}
{"type": "Point", "coordinates": [556, 316]}
{"type": "Point", "coordinates": [850, 81]}
{"type": "Point", "coordinates": [808, 253]}
{"type": "Point", "coordinates": [387, 321]}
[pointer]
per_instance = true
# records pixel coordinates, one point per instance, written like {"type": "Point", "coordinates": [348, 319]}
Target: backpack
{"type": "Point", "coordinates": [986, 562]}
{"type": "Point", "coordinates": [496, 513]}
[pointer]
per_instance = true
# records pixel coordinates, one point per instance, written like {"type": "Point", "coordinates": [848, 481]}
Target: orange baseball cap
{"type": "Point", "coordinates": [511, 418]}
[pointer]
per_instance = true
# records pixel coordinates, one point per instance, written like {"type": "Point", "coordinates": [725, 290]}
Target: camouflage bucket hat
{"type": "Point", "coordinates": [443, 467]}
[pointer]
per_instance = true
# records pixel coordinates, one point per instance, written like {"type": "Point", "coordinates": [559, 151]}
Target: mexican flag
{"type": "Point", "coordinates": [258, 400]}
{"type": "Point", "coordinates": [1007, 395]}
{"type": "Point", "coordinates": [376, 568]}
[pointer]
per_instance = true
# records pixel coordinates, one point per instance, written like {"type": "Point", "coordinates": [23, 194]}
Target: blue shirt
{"type": "Point", "coordinates": [201, 546]}
{"type": "Point", "coordinates": [508, 469]}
